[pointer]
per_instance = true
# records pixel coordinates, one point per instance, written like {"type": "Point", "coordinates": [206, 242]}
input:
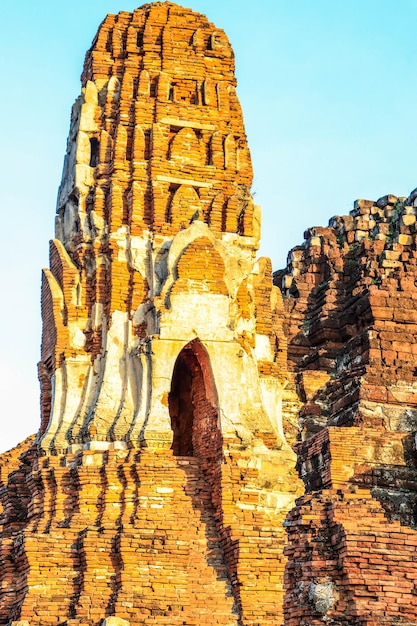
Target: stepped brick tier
{"type": "Point", "coordinates": [350, 303]}
{"type": "Point", "coordinates": [157, 487]}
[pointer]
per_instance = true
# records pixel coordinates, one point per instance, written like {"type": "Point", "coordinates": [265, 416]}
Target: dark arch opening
{"type": "Point", "coordinates": [193, 405]}
{"type": "Point", "coordinates": [193, 408]}
{"type": "Point", "coordinates": [94, 151]}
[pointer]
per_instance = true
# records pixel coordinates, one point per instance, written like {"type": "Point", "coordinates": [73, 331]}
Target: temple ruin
{"type": "Point", "coordinates": [219, 444]}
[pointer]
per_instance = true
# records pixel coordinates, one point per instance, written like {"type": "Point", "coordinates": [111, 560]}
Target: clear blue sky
{"type": "Point", "coordinates": [329, 92]}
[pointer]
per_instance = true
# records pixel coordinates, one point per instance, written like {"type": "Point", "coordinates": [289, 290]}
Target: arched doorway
{"type": "Point", "coordinates": [193, 405]}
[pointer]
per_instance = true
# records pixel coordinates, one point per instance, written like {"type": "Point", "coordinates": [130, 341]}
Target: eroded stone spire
{"type": "Point", "coordinates": [156, 237]}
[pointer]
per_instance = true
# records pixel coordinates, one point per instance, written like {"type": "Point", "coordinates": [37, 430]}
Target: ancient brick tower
{"type": "Point", "coordinates": [155, 246]}
{"type": "Point", "coordinates": [158, 483]}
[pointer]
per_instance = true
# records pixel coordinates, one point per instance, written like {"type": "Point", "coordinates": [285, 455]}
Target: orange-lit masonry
{"type": "Point", "coordinates": [160, 478]}
{"type": "Point", "coordinates": [161, 487]}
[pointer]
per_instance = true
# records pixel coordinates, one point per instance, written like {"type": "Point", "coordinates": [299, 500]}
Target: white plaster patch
{"type": "Point", "coordinates": [97, 221]}
{"type": "Point", "coordinates": [84, 177]}
{"type": "Point", "coordinates": [87, 121]}
{"type": "Point", "coordinates": [78, 338]}
{"type": "Point", "coordinates": [139, 253]}
{"type": "Point", "coordinates": [271, 391]}
{"type": "Point", "coordinates": [83, 150]}
{"type": "Point", "coordinates": [121, 238]}
{"type": "Point", "coordinates": [195, 314]}
{"type": "Point", "coordinates": [263, 348]}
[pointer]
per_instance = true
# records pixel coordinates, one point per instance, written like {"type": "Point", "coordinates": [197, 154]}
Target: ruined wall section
{"type": "Point", "coordinates": [352, 536]}
{"type": "Point", "coordinates": [349, 297]}
{"type": "Point", "coordinates": [150, 538]}
{"type": "Point", "coordinates": [15, 469]}
{"type": "Point", "coordinates": [349, 293]}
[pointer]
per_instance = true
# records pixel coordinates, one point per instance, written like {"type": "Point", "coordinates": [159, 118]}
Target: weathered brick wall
{"type": "Point", "coordinates": [350, 306]}
{"type": "Point", "coordinates": [148, 536]}
{"type": "Point", "coordinates": [15, 501]}
{"type": "Point", "coordinates": [349, 293]}
{"type": "Point", "coordinates": [348, 563]}
{"type": "Point", "coordinates": [351, 549]}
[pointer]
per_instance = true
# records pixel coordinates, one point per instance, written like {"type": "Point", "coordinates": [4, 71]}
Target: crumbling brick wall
{"type": "Point", "coordinates": [349, 293]}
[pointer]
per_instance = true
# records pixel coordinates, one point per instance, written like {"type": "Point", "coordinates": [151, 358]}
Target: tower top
{"type": "Point", "coordinates": [159, 111]}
